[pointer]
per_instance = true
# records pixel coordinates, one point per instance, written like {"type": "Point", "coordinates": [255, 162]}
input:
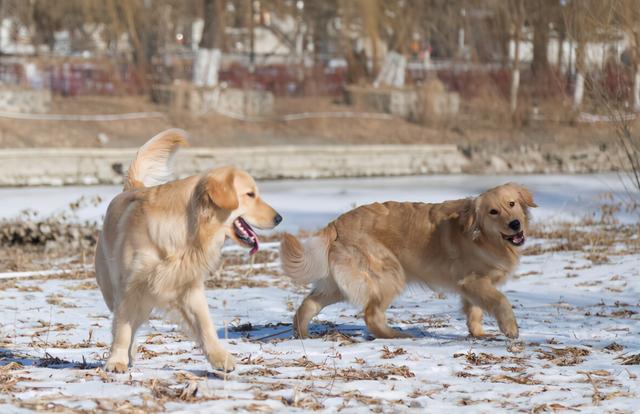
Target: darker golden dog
{"type": "Point", "coordinates": [368, 255]}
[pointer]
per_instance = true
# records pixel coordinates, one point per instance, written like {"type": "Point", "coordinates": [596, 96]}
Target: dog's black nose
{"type": "Point", "coordinates": [277, 219]}
{"type": "Point", "coordinates": [515, 225]}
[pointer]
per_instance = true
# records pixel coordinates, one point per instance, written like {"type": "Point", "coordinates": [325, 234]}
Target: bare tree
{"type": "Point", "coordinates": [517, 14]}
{"type": "Point", "coordinates": [212, 29]}
{"type": "Point", "coordinates": [209, 54]}
{"type": "Point", "coordinates": [628, 14]}
{"type": "Point", "coordinates": [319, 16]}
{"type": "Point", "coordinates": [576, 23]}
{"type": "Point", "coordinates": [542, 16]}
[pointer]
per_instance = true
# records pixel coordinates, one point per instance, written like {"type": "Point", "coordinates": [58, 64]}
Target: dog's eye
{"type": "Point", "coordinates": [511, 203]}
{"type": "Point", "coordinates": [251, 194]}
{"type": "Point", "coordinates": [493, 212]}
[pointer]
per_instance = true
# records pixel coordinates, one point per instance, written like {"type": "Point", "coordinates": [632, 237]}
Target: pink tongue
{"type": "Point", "coordinates": [254, 237]}
{"type": "Point", "coordinates": [255, 248]}
{"type": "Point", "coordinates": [518, 239]}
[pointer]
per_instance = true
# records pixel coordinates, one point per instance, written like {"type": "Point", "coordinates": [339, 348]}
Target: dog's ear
{"type": "Point", "coordinates": [526, 197]}
{"type": "Point", "coordinates": [221, 191]}
{"type": "Point", "coordinates": [469, 218]}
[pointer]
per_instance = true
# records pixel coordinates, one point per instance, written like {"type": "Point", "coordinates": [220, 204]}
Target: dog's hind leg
{"type": "Point", "coordinates": [103, 276]}
{"type": "Point", "coordinates": [324, 293]}
{"type": "Point", "coordinates": [474, 318]}
{"type": "Point", "coordinates": [376, 320]}
{"type": "Point", "coordinates": [194, 309]}
{"type": "Point", "coordinates": [132, 312]}
{"type": "Point", "coordinates": [370, 279]}
{"type": "Point", "coordinates": [144, 311]}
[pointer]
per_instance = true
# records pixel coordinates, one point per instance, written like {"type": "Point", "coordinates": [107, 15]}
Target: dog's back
{"type": "Point", "coordinates": [398, 225]}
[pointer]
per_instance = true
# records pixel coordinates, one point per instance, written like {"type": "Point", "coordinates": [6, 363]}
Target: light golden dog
{"type": "Point", "coordinates": [368, 255]}
{"type": "Point", "coordinates": [159, 239]}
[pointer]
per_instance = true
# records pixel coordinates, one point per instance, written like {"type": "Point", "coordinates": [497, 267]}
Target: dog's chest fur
{"type": "Point", "coordinates": [180, 262]}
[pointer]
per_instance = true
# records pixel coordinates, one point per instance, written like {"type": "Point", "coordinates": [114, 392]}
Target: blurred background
{"type": "Point", "coordinates": [306, 89]}
{"type": "Point", "coordinates": [264, 72]}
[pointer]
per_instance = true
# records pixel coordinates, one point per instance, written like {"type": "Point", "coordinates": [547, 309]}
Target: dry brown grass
{"type": "Point", "coordinates": [520, 379]}
{"type": "Point", "coordinates": [8, 380]}
{"type": "Point", "coordinates": [633, 359]}
{"type": "Point", "coordinates": [570, 355]}
{"type": "Point", "coordinates": [483, 358]}
{"type": "Point", "coordinates": [388, 353]}
{"type": "Point", "coordinates": [599, 240]}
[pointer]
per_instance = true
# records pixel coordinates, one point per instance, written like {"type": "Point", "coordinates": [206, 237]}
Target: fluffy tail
{"type": "Point", "coordinates": [153, 162]}
{"type": "Point", "coordinates": [306, 261]}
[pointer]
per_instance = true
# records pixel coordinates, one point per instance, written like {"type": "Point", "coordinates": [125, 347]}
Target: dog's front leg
{"type": "Point", "coordinates": [474, 318]}
{"type": "Point", "coordinates": [195, 311]}
{"type": "Point", "coordinates": [480, 291]}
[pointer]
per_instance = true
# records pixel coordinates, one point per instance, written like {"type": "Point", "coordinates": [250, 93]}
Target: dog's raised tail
{"type": "Point", "coordinates": [306, 261]}
{"type": "Point", "coordinates": [153, 163]}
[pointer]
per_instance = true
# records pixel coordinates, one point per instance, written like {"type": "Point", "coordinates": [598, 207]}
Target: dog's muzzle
{"type": "Point", "coordinates": [517, 239]}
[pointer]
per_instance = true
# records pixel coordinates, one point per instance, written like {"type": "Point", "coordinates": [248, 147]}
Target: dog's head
{"type": "Point", "coordinates": [500, 214]}
{"type": "Point", "coordinates": [234, 193]}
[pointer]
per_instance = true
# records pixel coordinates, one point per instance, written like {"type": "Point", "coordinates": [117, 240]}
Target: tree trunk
{"type": "Point", "coordinates": [578, 92]}
{"type": "Point", "coordinates": [540, 62]}
{"type": "Point", "coordinates": [636, 72]}
{"type": "Point", "coordinates": [392, 72]}
{"type": "Point", "coordinates": [357, 70]}
{"type": "Point", "coordinates": [636, 89]}
{"type": "Point", "coordinates": [207, 62]}
{"type": "Point", "coordinates": [561, 38]}
{"type": "Point", "coordinates": [515, 74]}
{"type": "Point", "coordinates": [252, 39]}
{"type": "Point", "coordinates": [210, 38]}
{"type": "Point", "coordinates": [517, 13]}
{"type": "Point", "coordinates": [370, 10]}
{"type": "Point", "coordinates": [130, 12]}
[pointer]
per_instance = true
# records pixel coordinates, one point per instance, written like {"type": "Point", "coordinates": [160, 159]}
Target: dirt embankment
{"type": "Point", "coordinates": [471, 126]}
{"type": "Point", "coordinates": [486, 138]}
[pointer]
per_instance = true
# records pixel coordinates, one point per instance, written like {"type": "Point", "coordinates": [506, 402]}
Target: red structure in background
{"type": "Point", "coordinates": [85, 77]}
{"type": "Point", "coordinates": [72, 77]}
{"type": "Point", "coordinates": [287, 80]}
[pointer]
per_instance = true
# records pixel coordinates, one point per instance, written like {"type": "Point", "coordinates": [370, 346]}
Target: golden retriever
{"type": "Point", "coordinates": [160, 239]}
{"type": "Point", "coordinates": [369, 254]}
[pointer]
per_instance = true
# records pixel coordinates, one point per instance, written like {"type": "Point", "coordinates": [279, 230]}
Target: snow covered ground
{"type": "Point", "coordinates": [577, 303]}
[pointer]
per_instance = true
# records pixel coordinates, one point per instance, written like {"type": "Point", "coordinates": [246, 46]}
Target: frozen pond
{"type": "Point", "coordinates": [310, 204]}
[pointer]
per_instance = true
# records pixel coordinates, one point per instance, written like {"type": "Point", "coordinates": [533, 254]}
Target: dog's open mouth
{"type": "Point", "coordinates": [246, 235]}
{"type": "Point", "coordinates": [515, 239]}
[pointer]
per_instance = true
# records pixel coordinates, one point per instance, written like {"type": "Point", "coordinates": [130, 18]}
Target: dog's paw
{"type": "Point", "coordinates": [510, 329]}
{"type": "Point", "coordinates": [300, 332]}
{"type": "Point", "coordinates": [476, 331]}
{"type": "Point", "coordinates": [482, 335]}
{"type": "Point", "coordinates": [116, 366]}
{"type": "Point", "coordinates": [222, 361]}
